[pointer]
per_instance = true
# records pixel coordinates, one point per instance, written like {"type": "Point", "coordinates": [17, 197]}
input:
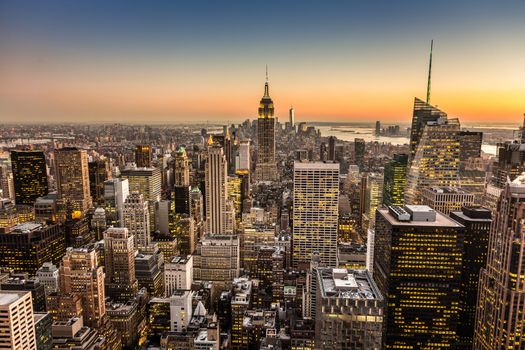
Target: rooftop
{"type": "Point", "coordinates": [9, 297]}
{"type": "Point", "coordinates": [440, 220]}
{"type": "Point", "coordinates": [348, 284]}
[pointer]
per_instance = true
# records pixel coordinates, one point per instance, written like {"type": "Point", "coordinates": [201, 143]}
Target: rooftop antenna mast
{"type": "Point", "coordinates": [429, 71]}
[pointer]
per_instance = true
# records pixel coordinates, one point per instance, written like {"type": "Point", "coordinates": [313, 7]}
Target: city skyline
{"type": "Point", "coordinates": [179, 62]}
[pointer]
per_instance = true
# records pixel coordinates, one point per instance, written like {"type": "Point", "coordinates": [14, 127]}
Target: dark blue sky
{"type": "Point", "coordinates": [82, 57]}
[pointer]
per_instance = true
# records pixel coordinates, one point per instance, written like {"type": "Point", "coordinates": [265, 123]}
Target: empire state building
{"type": "Point", "coordinates": [266, 169]}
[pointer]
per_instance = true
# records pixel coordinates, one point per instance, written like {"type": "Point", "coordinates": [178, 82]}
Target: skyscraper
{"type": "Point", "coordinates": [80, 274]}
{"type": "Point", "coordinates": [436, 160]}
{"type": "Point", "coordinates": [119, 259]}
{"type": "Point", "coordinates": [216, 190]}
{"type": "Point", "coordinates": [72, 173]}
{"type": "Point", "coordinates": [116, 191]}
{"type": "Point", "coordinates": [417, 267]}
{"type": "Point", "coordinates": [315, 212]}
{"type": "Point", "coordinates": [17, 327]}
{"type": "Point", "coordinates": [244, 156]}
{"type": "Point", "coordinates": [99, 171]}
{"type": "Point", "coordinates": [143, 156]}
{"type": "Point", "coordinates": [359, 152]}
{"type": "Point", "coordinates": [266, 169]}
{"type": "Point", "coordinates": [25, 247]}
{"type": "Point", "coordinates": [477, 222]}
{"type": "Point", "coordinates": [144, 180]}
{"type": "Point", "coordinates": [501, 296]}
{"type": "Point", "coordinates": [182, 168]}
{"type": "Point", "coordinates": [136, 219]}
{"type": "Point", "coordinates": [331, 148]}
{"type": "Point", "coordinates": [292, 118]}
{"type": "Point", "coordinates": [395, 180]}
{"type": "Point", "coordinates": [423, 114]}
{"type": "Point", "coordinates": [29, 176]}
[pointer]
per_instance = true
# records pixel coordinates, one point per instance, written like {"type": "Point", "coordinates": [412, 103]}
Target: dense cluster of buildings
{"type": "Point", "coordinates": [263, 235]}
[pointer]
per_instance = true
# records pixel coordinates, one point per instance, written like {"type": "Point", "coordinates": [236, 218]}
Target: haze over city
{"type": "Point", "coordinates": [173, 61]}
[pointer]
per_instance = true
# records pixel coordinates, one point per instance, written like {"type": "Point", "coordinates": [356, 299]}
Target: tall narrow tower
{"type": "Point", "coordinates": [216, 190]}
{"type": "Point", "coordinates": [266, 169]}
{"type": "Point", "coordinates": [501, 295]}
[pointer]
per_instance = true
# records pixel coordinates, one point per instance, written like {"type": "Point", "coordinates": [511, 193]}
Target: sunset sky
{"type": "Point", "coordinates": [182, 61]}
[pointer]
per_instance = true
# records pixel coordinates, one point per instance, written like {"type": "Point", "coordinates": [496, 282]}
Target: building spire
{"type": "Point", "coordinates": [266, 89]}
{"type": "Point", "coordinates": [429, 71]}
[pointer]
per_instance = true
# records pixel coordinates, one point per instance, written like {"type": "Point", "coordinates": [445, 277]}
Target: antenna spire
{"type": "Point", "coordinates": [266, 73]}
{"type": "Point", "coordinates": [266, 89]}
{"type": "Point", "coordinates": [429, 71]}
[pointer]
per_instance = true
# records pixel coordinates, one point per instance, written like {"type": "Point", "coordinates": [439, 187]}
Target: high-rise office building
{"type": "Point", "coordinates": [501, 296]}
{"type": "Point", "coordinates": [216, 190]}
{"type": "Point", "coordinates": [144, 180]}
{"type": "Point", "coordinates": [350, 310]}
{"type": "Point", "coordinates": [470, 145]}
{"type": "Point", "coordinates": [119, 261]}
{"type": "Point", "coordinates": [72, 175]}
{"type": "Point", "coordinates": [359, 152]}
{"type": "Point", "coordinates": [477, 222]}
{"type": "Point", "coordinates": [510, 162]}
{"type": "Point", "coordinates": [48, 275]}
{"type": "Point", "coordinates": [417, 267]}
{"type": "Point", "coordinates": [446, 199]}
{"type": "Point", "coordinates": [315, 212]}
{"type": "Point", "coordinates": [7, 188]}
{"type": "Point", "coordinates": [80, 274]}
{"type": "Point", "coordinates": [395, 180]}
{"type": "Point", "coordinates": [99, 172]}
{"type": "Point", "coordinates": [136, 219]}
{"type": "Point", "coordinates": [373, 196]}
{"type": "Point", "coordinates": [143, 156]}
{"type": "Point", "coordinates": [182, 168]}
{"type": "Point", "coordinates": [116, 191]}
{"type": "Point", "coordinates": [27, 246]}
{"type": "Point", "coordinates": [266, 169]}
{"type": "Point", "coordinates": [331, 149]}
{"type": "Point", "coordinates": [291, 114]}
{"type": "Point", "coordinates": [178, 274]}
{"type": "Point", "coordinates": [244, 156]}
{"type": "Point", "coordinates": [436, 160]}
{"type": "Point", "coordinates": [29, 176]}
{"type": "Point", "coordinates": [423, 114]}
{"type": "Point", "coordinates": [17, 326]}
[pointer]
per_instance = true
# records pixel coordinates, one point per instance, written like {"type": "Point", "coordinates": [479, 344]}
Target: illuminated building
{"type": "Point", "coordinates": [99, 171]}
{"type": "Point", "coordinates": [256, 325]}
{"type": "Point", "coordinates": [72, 175]}
{"type": "Point", "coordinates": [234, 195]}
{"type": "Point", "coordinates": [240, 303]}
{"type": "Point", "coordinates": [217, 260]}
{"type": "Point", "coordinates": [266, 169]}
{"type": "Point", "coordinates": [80, 274]}
{"type": "Point", "coordinates": [395, 180]}
{"type": "Point", "coordinates": [136, 220]}
{"type": "Point", "coordinates": [43, 322]}
{"type": "Point", "coordinates": [17, 326]}
{"type": "Point", "coordinates": [116, 191]}
{"type": "Point", "coordinates": [350, 310]}
{"type": "Point", "coordinates": [159, 321]}
{"type": "Point", "coordinates": [251, 238]}
{"type": "Point", "coordinates": [501, 297]}
{"type": "Point", "coordinates": [63, 307]}
{"type": "Point", "coordinates": [22, 282]}
{"type": "Point", "coordinates": [178, 274]}
{"type": "Point", "coordinates": [149, 274]}
{"type": "Point", "coordinates": [359, 152]}
{"type": "Point", "coordinates": [470, 146]}
{"type": "Point", "coordinates": [373, 196]}
{"type": "Point", "coordinates": [99, 223]}
{"type": "Point", "coordinates": [126, 319]}
{"type": "Point", "coordinates": [26, 247]}
{"type": "Point", "coordinates": [7, 188]}
{"type": "Point", "coordinates": [182, 189]}
{"type": "Point", "coordinates": [270, 272]}
{"type": "Point", "coordinates": [11, 215]}
{"type": "Point", "coordinates": [436, 160]}
{"type": "Point", "coordinates": [510, 162]}
{"type": "Point", "coordinates": [46, 208]}
{"type": "Point", "coordinates": [78, 232]}
{"type": "Point", "coordinates": [315, 212]}
{"type": "Point", "coordinates": [119, 261]}
{"type": "Point", "coordinates": [72, 334]}
{"type": "Point", "coordinates": [446, 199]}
{"type": "Point", "coordinates": [146, 181]}
{"type": "Point", "coordinates": [29, 176]}
{"type": "Point", "coordinates": [477, 222]}
{"type": "Point", "coordinates": [216, 191]}
{"type": "Point", "coordinates": [143, 156]}
{"type": "Point", "coordinates": [417, 267]}
{"type": "Point", "coordinates": [48, 275]}
{"type": "Point", "coordinates": [423, 114]}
